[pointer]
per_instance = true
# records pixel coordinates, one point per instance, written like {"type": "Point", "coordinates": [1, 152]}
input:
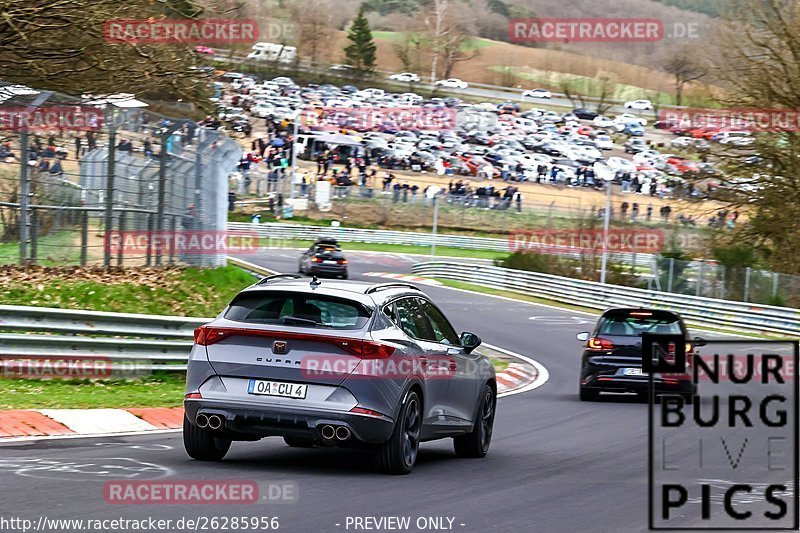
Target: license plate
{"type": "Point", "coordinates": [634, 372]}
{"type": "Point", "coordinates": [329, 262]}
{"type": "Point", "coordinates": [277, 388]}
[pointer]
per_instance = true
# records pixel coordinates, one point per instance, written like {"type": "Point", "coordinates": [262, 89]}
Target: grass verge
{"type": "Point", "coordinates": [158, 390]}
{"type": "Point", "coordinates": [444, 251]}
{"type": "Point", "coordinates": [172, 291]}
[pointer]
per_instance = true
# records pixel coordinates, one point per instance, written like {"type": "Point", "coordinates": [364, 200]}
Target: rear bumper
{"type": "Point", "coordinates": [333, 270]}
{"type": "Point", "coordinates": [265, 421]}
{"type": "Point", "coordinates": [635, 384]}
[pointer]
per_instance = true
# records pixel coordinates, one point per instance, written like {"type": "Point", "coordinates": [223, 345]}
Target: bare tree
{"type": "Point", "coordinates": [448, 33]}
{"type": "Point", "coordinates": [684, 66]}
{"type": "Point", "coordinates": [62, 46]}
{"type": "Point", "coordinates": [760, 67]}
{"type": "Point", "coordinates": [407, 50]}
{"type": "Point", "coordinates": [608, 84]}
{"type": "Point", "coordinates": [315, 21]}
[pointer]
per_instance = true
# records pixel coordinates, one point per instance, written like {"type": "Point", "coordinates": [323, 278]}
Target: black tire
{"type": "Point", "coordinates": [588, 395]}
{"type": "Point", "coordinates": [344, 276]}
{"type": "Point", "coordinates": [399, 454]}
{"type": "Point", "coordinates": [298, 442]}
{"type": "Point", "coordinates": [201, 444]}
{"type": "Point", "coordinates": [476, 443]}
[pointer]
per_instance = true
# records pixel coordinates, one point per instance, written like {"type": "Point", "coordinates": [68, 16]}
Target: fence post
{"type": "Point", "coordinates": [149, 239]}
{"type": "Point", "coordinates": [121, 228]}
{"type": "Point", "coordinates": [747, 284]}
{"type": "Point", "coordinates": [24, 198]}
{"type": "Point", "coordinates": [84, 236]}
{"type": "Point", "coordinates": [112, 161]}
{"type": "Point", "coordinates": [699, 289]}
{"type": "Point", "coordinates": [722, 286]}
{"type": "Point", "coordinates": [34, 235]}
{"type": "Point", "coordinates": [162, 182]}
{"type": "Point", "coordinates": [173, 229]}
{"type": "Point", "coordinates": [774, 287]}
{"type": "Point", "coordinates": [198, 179]}
{"type": "Point", "coordinates": [671, 272]}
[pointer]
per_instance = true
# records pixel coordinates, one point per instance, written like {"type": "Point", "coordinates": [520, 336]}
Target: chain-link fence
{"type": "Point", "coordinates": [714, 280]}
{"type": "Point", "coordinates": [133, 188]}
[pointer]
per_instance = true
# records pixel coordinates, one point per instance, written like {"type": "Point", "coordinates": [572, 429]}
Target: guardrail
{"type": "Point", "coordinates": [277, 231]}
{"type": "Point", "coordinates": [129, 341]}
{"type": "Point", "coordinates": [698, 311]}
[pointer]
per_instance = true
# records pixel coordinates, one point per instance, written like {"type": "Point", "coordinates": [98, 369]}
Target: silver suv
{"type": "Point", "coordinates": [337, 363]}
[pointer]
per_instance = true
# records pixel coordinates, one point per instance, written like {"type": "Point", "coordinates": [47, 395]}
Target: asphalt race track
{"type": "Point", "coordinates": [556, 464]}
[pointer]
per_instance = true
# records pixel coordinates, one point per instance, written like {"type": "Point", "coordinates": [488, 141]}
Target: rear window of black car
{"type": "Point", "coordinates": [635, 323]}
{"type": "Point", "coordinates": [297, 309]}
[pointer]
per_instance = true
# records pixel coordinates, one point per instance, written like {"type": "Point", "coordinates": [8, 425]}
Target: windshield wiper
{"type": "Point", "coordinates": [298, 320]}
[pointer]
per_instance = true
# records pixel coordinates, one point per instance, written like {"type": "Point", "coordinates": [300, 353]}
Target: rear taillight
{"type": "Point", "coordinates": [365, 411]}
{"type": "Point", "coordinates": [366, 349]}
{"type": "Point", "coordinates": [316, 260]}
{"type": "Point", "coordinates": [342, 261]}
{"type": "Point", "coordinates": [193, 396]}
{"type": "Point", "coordinates": [598, 344]}
{"type": "Point", "coordinates": [208, 335]}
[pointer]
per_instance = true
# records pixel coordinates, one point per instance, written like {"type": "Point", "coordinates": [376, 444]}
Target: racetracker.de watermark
{"type": "Point", "coordinates": [181, 31]}
{"type": "Point", "coordinates": [199, 492]}
{"type": "Point", "coordinates": [556, 241]}
{"type": "Point", "coordinates": [37, 367]}
{"type": "Point", "coordinates": [429, 367]}
{"type": "Point", "coordinates": [50, 118]}
{"type": "Point", "coordinates": [752, 120]}
{"type": "Point", "coordinates": [599, 30]}
{"type": "Point", "coordinates": [417, 118]}
{"type": "Point", "coordinates": [184, 242]}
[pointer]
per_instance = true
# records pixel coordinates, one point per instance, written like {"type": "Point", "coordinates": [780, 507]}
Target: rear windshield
{"type": "Point", "coordinates": [635, 325]}
{"type": "Point", "coordinates": [329, 250]}
{"type": "Point", "coordinates": [297, 309]}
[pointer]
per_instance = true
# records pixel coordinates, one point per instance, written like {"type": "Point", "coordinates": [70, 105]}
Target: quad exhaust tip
{"type": "Point", "coordinates": [328, 432]}
{"type": "Point", "coordinates": [208, 421]}
{"type": "Point", "coordinates": [214, 422]}
{"type": "Point", "coordinates": [342, 433]}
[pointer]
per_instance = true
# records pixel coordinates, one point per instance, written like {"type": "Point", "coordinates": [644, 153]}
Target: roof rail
{"type": "Point", "coordinates": [277, 277]}
{"type": "Point", "coordinates": [383, 286]}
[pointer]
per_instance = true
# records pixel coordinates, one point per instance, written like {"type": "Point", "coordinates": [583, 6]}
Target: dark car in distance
{"type": "Point", "coordinates": [585, 114]}
{"type": "Point", "coordinates": [612, 356]}
{"type": "Point", "coordinates": [323, 258]}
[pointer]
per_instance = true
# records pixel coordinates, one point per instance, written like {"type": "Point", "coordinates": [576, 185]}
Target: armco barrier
{"type": "Point", "coordinates": [704, 312]}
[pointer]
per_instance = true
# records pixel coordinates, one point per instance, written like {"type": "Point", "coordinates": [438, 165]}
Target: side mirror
{"type": "Point", "coordinates": [699, 341]}
{"type": "Point", "coordinates": [469, 341]}
{"type": "Point", "coordinates": [583, 336]}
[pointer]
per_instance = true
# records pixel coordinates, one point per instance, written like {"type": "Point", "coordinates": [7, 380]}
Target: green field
{"type": "Point", "coordinates": [469, 45]}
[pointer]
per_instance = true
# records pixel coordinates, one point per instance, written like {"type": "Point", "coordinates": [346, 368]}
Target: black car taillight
{"type": "Point", "coordinates": [597, 344]}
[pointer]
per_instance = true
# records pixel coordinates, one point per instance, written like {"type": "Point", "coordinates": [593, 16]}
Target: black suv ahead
{"type": "Point", "coordinates": [323, 258]}
{"type": "Point", "coordinates": [612, 357]}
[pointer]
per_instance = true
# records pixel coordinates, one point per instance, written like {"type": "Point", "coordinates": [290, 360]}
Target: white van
{"type": "Point", "coordinates": [273, 52]}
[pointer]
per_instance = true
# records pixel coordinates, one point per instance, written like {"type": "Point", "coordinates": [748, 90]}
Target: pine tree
{"type": "Point", "coordinates": [360, 53]}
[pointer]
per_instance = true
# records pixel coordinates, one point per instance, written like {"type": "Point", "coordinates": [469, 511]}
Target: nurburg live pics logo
{"type": "Point", "coordinates": [727, 459]}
